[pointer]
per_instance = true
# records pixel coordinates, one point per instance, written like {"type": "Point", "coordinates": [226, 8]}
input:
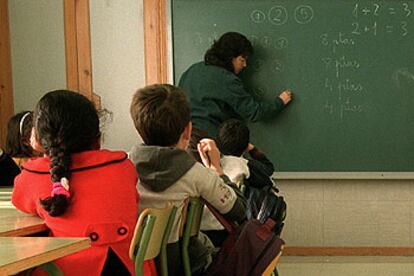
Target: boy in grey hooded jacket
{"type": "Point", "coordinates": [161, 114]}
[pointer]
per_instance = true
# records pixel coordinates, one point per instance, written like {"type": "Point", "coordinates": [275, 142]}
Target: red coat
{"type": "Point", "coordinates": [103, 206]}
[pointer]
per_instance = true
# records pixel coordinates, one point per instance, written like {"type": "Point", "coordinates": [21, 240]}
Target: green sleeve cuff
{"type": "Point", "coordinates": [279, 103]}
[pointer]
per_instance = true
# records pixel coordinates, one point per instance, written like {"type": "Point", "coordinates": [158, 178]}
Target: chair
{"type": "Point", "coordinates": [50, 268]}
{"type": "Point", "coordinates": [269, 271]}
{"type": "Point", "coordinates": [6, 194]}
{"type": "Point", "coordinates": [6, 205]}
{"type": "Point", "coordinates": [191, 228]}
{"type": "Point", "coordinates": [5, 198]}
{"type": "Point", "coordinates": [151, 237]}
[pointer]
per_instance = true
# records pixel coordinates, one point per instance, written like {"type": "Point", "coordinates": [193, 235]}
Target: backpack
{"type": "Point", "coordinates": [248, 250]}
{"type": "Point", "coordinates": [250, 247]}
{"type": "Point", "coordinates": [263, 204]}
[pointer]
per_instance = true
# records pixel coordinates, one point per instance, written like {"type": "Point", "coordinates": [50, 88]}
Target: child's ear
{"type": "Point", "coordinates": [185, 137]}
{"type": "Point", "coordinates": [187, 131]}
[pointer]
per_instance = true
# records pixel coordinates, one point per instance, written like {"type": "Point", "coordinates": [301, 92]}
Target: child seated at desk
{"type": "Point", "coordinates": [254, 171]}
{"type": "Point", "coordinates": [79, 189]}
{"type": "Point", "coordinates": [242, 160]}
{"type": "Point", "coordinates": [18, 149]}
{"type": "Point", "coordinates": [161, 114]}
{"type": "Point", "coordinates": [19, 129]}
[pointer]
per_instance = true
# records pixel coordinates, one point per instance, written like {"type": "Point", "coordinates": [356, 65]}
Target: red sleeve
{"type": "Point", "coordinates": [21, 196]}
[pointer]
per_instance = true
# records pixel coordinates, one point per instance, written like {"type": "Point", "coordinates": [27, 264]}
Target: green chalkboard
{"type": "Point", "coordinates": [350, 65]}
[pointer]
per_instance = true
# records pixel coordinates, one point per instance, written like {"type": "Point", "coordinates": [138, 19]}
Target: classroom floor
{"type": "Point", "coordinates": [341, 266]}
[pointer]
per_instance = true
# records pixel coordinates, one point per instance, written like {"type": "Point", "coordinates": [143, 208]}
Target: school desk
{"type": "Point", "coordinates": [21, 253]}
{"type": "Point", "coordinates": [5, 193]}
{"type": "Point", "coordinates": [14, 223]}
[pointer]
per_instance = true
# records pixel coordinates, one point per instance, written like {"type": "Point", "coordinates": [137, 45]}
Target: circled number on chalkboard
{"type": "Point", "coordinates": [279, 15]}
{"type": "Point", "coordinates": [303, 14]}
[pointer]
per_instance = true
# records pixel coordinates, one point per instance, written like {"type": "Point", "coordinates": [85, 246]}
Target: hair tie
{"type": "Point", "coordinates": [22, 122]}
{"type": "Point", "coordinates": [61, 187]}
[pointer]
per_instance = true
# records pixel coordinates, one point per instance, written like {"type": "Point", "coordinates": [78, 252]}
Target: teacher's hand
{"type": "Point", "coordinates": [286, 96]}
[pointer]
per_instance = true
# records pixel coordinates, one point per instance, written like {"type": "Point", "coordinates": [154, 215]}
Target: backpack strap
{"type": "Point", "coordinates": [229, 226]}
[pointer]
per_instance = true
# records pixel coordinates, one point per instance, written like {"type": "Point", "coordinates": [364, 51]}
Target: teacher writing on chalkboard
{"type": "Point", "coordinates": [217, 94]}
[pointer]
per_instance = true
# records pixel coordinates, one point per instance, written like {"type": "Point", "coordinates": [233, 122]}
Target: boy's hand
{"type": "Point", "coordinates": [210, 155]}
{"type": "Point", "coordinates": [250, 147]}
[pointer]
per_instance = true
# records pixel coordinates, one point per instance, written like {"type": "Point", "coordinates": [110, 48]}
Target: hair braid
{"type": "Point", "coordinates": [59, 163]}
{"type": "Point", "coordinates": [59, 168]}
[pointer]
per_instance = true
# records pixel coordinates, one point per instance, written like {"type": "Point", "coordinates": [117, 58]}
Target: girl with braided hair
{"type": "Point", "coordinates": [79, 189]}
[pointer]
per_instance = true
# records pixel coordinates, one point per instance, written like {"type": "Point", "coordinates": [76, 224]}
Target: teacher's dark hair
{"type": "Point", "coordinates": [230, 45]}
{"type": "Point", "coordinates": [65, 122]}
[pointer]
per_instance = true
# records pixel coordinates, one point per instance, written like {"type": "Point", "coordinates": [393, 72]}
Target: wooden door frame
{"type": "Point", "coordinates": [78, 48]}
{"type": "Point", "coordinates": [155, 41]}
{"type": "Point", "coordinates": [77, 56]}
{"type": "Point", "coordinates": [6, 82]}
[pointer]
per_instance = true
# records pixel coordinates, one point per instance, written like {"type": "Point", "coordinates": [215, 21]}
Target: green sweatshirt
{"type": "Point", "coordinates": [216, 95]}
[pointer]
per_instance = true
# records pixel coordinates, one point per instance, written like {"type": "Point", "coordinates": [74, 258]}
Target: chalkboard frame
{"type": "Point", "coordinates": [167, 74]}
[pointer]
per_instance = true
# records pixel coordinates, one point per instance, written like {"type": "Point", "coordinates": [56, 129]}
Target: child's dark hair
{"type": "Point", "coordinates": [19, 129]}
{"type": "Point", "coordinates": [160, 113]}
{"type": "Point", "coordinates": [65, 122]}
{"type": "Point", "coordinates": [230, 45]}
{"type": "Point", "coordinates": [233, 137]}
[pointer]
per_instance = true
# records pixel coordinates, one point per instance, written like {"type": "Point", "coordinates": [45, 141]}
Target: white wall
{"type": "Point", "coordinates": [117, 39]}
{"type": "Point", "coordinates": [349, 212]}
{"type": "Point", "coordinates": [37, 50]}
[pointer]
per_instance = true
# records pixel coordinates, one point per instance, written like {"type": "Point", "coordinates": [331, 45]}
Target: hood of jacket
{"type": "Point", "coordinates": [160, 167]}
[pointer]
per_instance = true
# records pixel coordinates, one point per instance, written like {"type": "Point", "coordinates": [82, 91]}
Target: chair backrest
{"type": "Point", "coordinates": [193, 216]}
{"type": "Point", "coordinates": [272, 266]}
{"type": "Point", "coordinates": [5, 198]}
{"type": "Point", "coordinates": [6, 193]}
{"type": "Point", "coordinates": [192, 227]}
{"type": "Point", "coordinates": [151, 236]}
